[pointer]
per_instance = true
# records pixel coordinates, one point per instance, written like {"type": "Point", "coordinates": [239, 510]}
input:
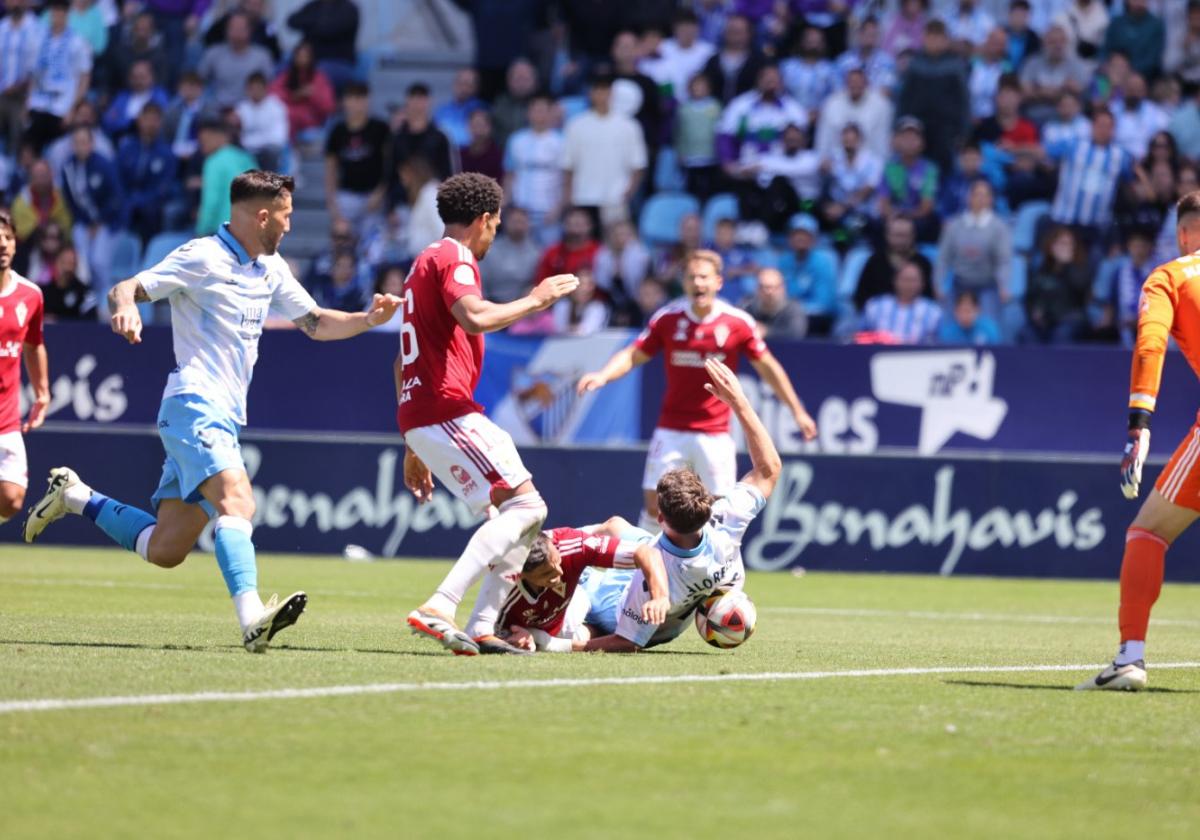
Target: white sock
{"type": "Point", "coordinates": [648, 523]}
{"type": "Point", "coordinates": [77, 496]}
{"type": "Point", "coordinates": [1130, 651]}
{"type": "Point", "coordinates": [249, 607]}
{"type": "Point", "coordinates": [517, 522]}
{"type": "Point", "coordinates": [143, 543]}
{"type": "Point", "coordinates": [492, 594]}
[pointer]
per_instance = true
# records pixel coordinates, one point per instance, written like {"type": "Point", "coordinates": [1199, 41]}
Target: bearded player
{"type": "Point", "coordinates": [20, 337]}
{"type": "Point", "coordinates": [693, 430]}
{"type": "Point", "coordinates": [445, 431]}
{"type": "Point", "coordinates": [1169, 308]}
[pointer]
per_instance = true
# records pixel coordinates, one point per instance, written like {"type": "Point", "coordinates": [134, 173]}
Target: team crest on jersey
{"type": "Point", "coordinates": [681, 329]}
{"type": "Point", "coordinates": [460, 474]}
{"type": "Point", "coordinates": [721, 334]}
{"type": "Point", "coordinates": [21, 311]}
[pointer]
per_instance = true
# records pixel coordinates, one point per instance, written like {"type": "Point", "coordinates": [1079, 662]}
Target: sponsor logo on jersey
{"type": "Point", "coordinates": [10, 349]}
{"type": "Point", "coordinates": [407, 388]}
{"type": "Point", "coordinates": [693, 358]}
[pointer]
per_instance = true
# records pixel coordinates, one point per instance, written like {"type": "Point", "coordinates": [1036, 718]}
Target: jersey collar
{"type": "Point", "coordinates": [675, 550]}
{"type": "Point", "coordinates": [230, 241]}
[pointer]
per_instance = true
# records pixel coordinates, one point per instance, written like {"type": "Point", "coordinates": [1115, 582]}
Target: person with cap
{"type": "Point", "coordinates": [810, 274]}
{"type": "Point", "coordinates": [910, 181]}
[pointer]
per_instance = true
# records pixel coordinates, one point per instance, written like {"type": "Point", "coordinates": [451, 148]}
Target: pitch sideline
{"type": "Point", "coordinates": [58, 704]}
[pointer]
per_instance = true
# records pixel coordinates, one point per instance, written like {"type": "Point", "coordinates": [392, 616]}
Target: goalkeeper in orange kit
{"type": "Point", "coordinates": [1169, 307]}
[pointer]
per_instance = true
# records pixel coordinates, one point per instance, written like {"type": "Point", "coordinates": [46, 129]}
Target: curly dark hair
{"type": "Point", "coordinates": [684, 501]}
{"type": "Point", "coordinates": [6, 220]}
{"type": "Point", "coordinates": [463, 198]}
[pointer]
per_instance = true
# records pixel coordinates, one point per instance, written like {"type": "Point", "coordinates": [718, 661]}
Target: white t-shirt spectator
{"type": "Point", "coordinates": [535, 162]}
{"type": "Point", "coordinates": [1135, 127]}
{"type": "Point", "coordinates": [593, 318]}
{"type": "Point", "coordinates": [424, 224]}
{"type": "Point", "coordinates": [602, 152]}
{"type": "Point", "coordinates": [631, 265]}
{"type": "Point", "coordinates": [62, 60]}
{"type": "Point", "coordinates": [676, 65]}
{"type": "Point", "coordinates": [264, 124]}
{"type": "Point", "coordinates": [872, 113]}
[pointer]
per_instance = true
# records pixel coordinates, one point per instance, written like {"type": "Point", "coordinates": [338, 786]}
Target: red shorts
{"type": "Point", "coordinates": [1179, 482]}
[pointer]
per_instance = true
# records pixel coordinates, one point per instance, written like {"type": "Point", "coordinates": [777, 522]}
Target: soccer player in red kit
{"type": "Point", "coordinates": [445, 431]}
{"type": "Point", "coordinates": [693, 427]}
{"type": "Point", "coordinates": [20, 337]}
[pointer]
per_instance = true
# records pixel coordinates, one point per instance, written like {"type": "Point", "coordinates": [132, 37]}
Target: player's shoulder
{"type": "Point", "coordinates": [445, 253]}
{"type": "Point", "coordinates": [1179, 269]}
{"type": "Point", "coordinates": [668, 312]}
{"type": "Point", "coordinates": [728, 312]}
{"type": "Point", "coordinates": [27, 287]}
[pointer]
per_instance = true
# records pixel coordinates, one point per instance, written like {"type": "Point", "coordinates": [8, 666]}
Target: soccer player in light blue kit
{"type": "Point", "coordinates": [220, 289]}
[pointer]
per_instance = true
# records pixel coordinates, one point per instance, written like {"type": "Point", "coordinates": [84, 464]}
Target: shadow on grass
{"type": "Point", "coordinates": [1043, 687]}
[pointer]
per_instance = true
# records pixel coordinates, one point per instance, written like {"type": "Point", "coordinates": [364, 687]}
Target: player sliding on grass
{"type": "Point", "coordinates": [692, 430]}
{"type": "Point", "coordinates": [1169, 307]}
{"type": "Point", "coordinates": [220, 289]}
{"type": "Point", "coordinates": [445, 432]}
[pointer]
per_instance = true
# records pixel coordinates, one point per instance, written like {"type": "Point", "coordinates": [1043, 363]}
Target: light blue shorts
{"type": "Point", "coordinates": [606, 592]}
{"type": "Point", "coordinates": [200, 441]}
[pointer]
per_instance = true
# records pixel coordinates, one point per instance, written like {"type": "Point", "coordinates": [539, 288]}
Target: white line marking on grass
{"type": "Point", "coordinates": [971, 616]}
{"type": "Point", "coordinates": [56, 704]}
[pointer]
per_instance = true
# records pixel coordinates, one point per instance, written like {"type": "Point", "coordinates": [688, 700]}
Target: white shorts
{"type": "Point", "coordinates": [712, 456]}
{"type": "Point", "coordinates": [14, 468]}
{"type": "Point", "coordinates": [471, 455]}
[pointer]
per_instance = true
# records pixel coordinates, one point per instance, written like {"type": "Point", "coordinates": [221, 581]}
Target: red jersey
{"type": "Point", "coordinates": [559, 259]}
{"type": "Point", "coordinates": [686, 342]}
{"type": "Point", "coordinates": [20, 324]}
{"type": "Point", "coordinates": [545, 610]}
{"type": "Point", "coordinates": [440, 360]}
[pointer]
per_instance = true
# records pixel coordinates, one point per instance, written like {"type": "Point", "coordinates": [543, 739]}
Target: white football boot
{"type": "Point", "coordinates": [53, 505]}
{"type": "Point", "coordinates": [1128, 677]}
{"type": "Point", "coordinates": [276, 616]}
{"type": "Point", "coordinates": [425, 622]}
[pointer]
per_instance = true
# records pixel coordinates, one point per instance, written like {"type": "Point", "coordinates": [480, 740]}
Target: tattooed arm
{"type": "Point", "coordinates": [332, 325]}
{"type": "Point", "coordinates": [123, 299]}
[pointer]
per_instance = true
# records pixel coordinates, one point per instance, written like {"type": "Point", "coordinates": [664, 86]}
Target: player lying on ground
{"type": "Point", "coordinates": [536, 609]}
{"type": "Point", "coordinates": [1170, 307]}
{"type": "Point", "coordinates": [20, 338]}
{"type": "Point", "coordinates": [693, 430]}
{"type": "Point", "coordinates": [220, 289]}
{"type": "Point", "coordinates": [445, 431]}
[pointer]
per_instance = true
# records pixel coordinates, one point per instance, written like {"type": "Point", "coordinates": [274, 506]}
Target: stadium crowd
{"type": "Point", "coordinates": [909, 171]}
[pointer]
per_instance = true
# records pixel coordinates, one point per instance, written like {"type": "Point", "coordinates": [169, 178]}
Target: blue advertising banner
{"type": "Point", "coordinates": [950, 515]}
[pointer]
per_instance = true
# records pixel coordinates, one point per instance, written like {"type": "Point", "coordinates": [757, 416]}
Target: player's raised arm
{"type": "Point", "coordinates": [476, 315]}
{"type": "Point", "coordinates": [334, 325]}
{"type": "Point", "coordinates": [621, 363]}
{"type": "Point", "coordinates": [123, 299]}
{"type": "Point", "coordinates": [764, 457]}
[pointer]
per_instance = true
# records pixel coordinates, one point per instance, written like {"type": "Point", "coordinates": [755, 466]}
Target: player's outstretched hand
{"type": "Point", "coordinates": [417, 477]}
{"type": "Point", "coordinates": [37, 414]}
{"type": "Point", "coordinates": [724, 385]}
{"type": "Point", "coordinates": [807, 426]}
{"type": "Point", "coordinates": [127, 323]}
{"type": "Point", "coordinates": [553, 289]}
{"type": "Point", "coordinates": [589, 382]}
{"type": "Point", "coordinates": [654, 611]}
{"type": "Point", "coordinates": [519, 637]}
{"type": "Point", "coordinates": [1136, 450]}
{"type": "Point", "coordinates": [383, 307]}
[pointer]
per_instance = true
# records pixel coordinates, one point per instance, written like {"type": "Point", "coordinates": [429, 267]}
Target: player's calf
{"type": "Point", "coordinates": [12, 498]}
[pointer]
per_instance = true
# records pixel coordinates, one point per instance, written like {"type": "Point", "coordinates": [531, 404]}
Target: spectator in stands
{"type": "Point", "coordinates": [356, 159]}
{"type": "Point", "coordinates": [683, 55]}
{"type": "Point", "coordinates": [740, 262]}
{"type": "Point", "coordinates": [1186, 63]}
{"type": "Point", "coordinates": [177, 21]}
{"type": "Point", "coordinates": [975, 253]}
{"type": "Point", "coordinates": [584, 311]}
{"type": "Point", "coordinates": [181, 120]}
{"type": "Point", "coordinates": [389, 280]}
{"type": "Point", "coordinates": [753, 121]}
{"type": "Point", "coordinates": [810, 274]}
{"type": "Point", "coordinates": [126, 105]}
{"type": "Point", "coordinates": [424, 225]}
{"type": "Point", "coordinates": [1138, 118]}
{"type": "Point", "coordinates": [560, 63]}
{"type": "Point", "coordinates": [342, 239]}
{"type": "Point", "coordinates": [1068, 123]}
{"type": "Point", "coordinates": [264, 121]}
{"type": "Point", "coordinates": [503, 33]}
{"type": "Point", "coordinates": [1085, 21]}
{"type": "Point", "coordinates": [955, 190]}
{"type": "Point", "coordinates": [1145, 202]}
{"type": "Point", "coordinates": [340, 290]}
{"type": "Point", "coordinates": [1139, 35]}
{"type": "Point", "coordinates": [61, 78]}
{"type": "Point", "coordinates": [1023, 42]}
{"type": "Point", "coordinates": [903, 315]}
{"type": "Point", "coordinates": [906, 31]}
{"type": "Point", "coordinates": [652, 296]}
{"type": "Point", "coordinates": [968, 326]}
{"type": "Point", "coordinates": [1185, 127]}
{"type": "Point", "coordinates": [636, 95]}
{"type": "Point", "coordinates": [621, 265]}
{"type": "Point", "coordinates": [1109, 80]}
{"type": "Point", "coordinates": [787, 179]}
{"type": "Point", "coordinates": [990, 63]}
{"type": "Point", "coordinates": [223, 162]}
{"type": "Point", "coordinates": [451, 117]}
{"type": "Point", "coordinates": [39, 203]}
{"type": "Point", "coordinates": [20, 42]}
{"type": "Point", "coordinates": [513, 259]}
{"type": "Point", "coordinates": [735, 69]}
{"type": "Point", "coordinates": [696, 121]}
{"type": "Point", "coordinates": [533, 176]}
{"type": "Point", "coordinates": [482, 154]}
{"type": "Point", "coordinates": [511, 108]}
{"type": "Point", "coordinates": [877, 64]}
{"type": "Point", "coordinates": [306, 92]}
{"type": "Point", "coordinates": [900, 248]}
{"type": "Point", "coordinates": [93, 193]}
{"type": "Point", "coordinates": [415, 134]}
{"type": "Point", "coordinates": [969, 25]}
{"type": "Point", "coordinates": [1089, 173]}
{"type": "Point", "coordinates": [870, 110]}
{"type": "Point", "coordinates": [331, 26]}
{"type": "Point", "coordinates": [778, 315]}
{"type": "Point", "coordinates": [670, 262]}
{"type": "Point", "coordinates": [910, 181]}
{"type": "Point", "coordinates": [1012, 141]}
{"type": "Point", "coordinates": [149, 175]}
{"type": "Point", "coordinates": [262, 31]}
{"type": "Point", "coordinates": [225, 67]}
{"type": "Point", "coordinates": [604, 157]}
{"type": "Point", "coordinates": [1055, 70]}
{"type": "Point", "coordinates": [87, 20]}
{"type": "Point", "coordinates": [1058, 289]}
{"type": "Point", "coordinates": [853, 175]}
{"type": "Point", "coordinates": [66, 297]}
{"type": "Point", "coordinates": [934, 91]}
{"type": "Point", "coordinates": [809, 77]}
{"type": "Point", "coordinates": [576, 250]}
{"type": "Point", "coordinates": [137, 40]}
{"type": "Point", "coordinates": [48, 241]}
{"type": "Point", "coordinates": [1117, 292]}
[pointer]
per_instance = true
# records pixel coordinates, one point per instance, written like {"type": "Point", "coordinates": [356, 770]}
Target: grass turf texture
{"type": "Point", "coordinates": [975, 754]}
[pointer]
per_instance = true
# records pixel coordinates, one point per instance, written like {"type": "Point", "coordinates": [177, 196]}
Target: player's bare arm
{"type": "Point", "coordinates": [476, 315]}
{"type": "Point", "coordinates": [764, 457]}
{"type": "Point", "coordinates": [333, 325]}
{"type": "Point", "coordinates": [649, 560]}
{"type": "Point", "coordinates": [620, 364]}
{"type": "Point", "coordinates": [771, 372]}
{"type": "Point", "coordinates": [38, 367]}
{"type": "Point", "coordinates": [123, 299]}
{"type": "Point", "coordinates": [613, 527]}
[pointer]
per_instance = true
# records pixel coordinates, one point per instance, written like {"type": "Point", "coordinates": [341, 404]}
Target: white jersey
{"type": "Point", "coordinates": [219, 301]}
{"type": "Point", "coordinates": [694, 574]}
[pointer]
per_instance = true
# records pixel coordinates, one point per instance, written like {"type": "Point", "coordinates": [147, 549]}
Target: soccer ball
{"type": "Point", "coordinates": [726, 619]}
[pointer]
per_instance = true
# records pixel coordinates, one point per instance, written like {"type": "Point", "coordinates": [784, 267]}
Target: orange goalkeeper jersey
{"type": "Point", "coordinates": [1169, 306]}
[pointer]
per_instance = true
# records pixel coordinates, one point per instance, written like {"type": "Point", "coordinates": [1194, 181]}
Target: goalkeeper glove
{"type": "Point", "coordinates": [1136, 449]}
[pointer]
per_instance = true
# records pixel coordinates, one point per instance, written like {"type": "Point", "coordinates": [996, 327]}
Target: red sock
{"type": "Point", "coordinates": [1141, 581]}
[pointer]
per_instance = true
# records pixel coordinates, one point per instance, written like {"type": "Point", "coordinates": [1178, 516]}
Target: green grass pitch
{"type": "Point", "coordinates": [967, 754]}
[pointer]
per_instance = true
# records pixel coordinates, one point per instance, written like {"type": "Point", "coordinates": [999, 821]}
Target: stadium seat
{"type": "Point", "coordinates": [572, 106]}
{"type": "Point", "coordinates": [1025, 225]}
{"type": "Point", "coordinates": [126, 256]}
{"type": "Point", "coordinates": [720, 206]}
{"type": "Point", "coordinates": [162, 245]}
{"type": "Point", "coordinates": [852, 268]}
{"type": "Point", "coordinates": [667, 175]}
{"type": "Point", "coordinates": [1018, 278]}
{"type": "Point", "coordinates": [661, 214]}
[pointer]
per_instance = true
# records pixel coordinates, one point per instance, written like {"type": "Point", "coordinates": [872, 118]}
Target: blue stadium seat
{"type": "Point", "coordinates": [668, 177]}
{"type": "Point", "coordinates": [852, 268]}
{"type": "Point", "coordinates": [661, 214]}
{"type": "Point", "coordinates": [572, 106]}
{"type": "Point", "coordinates": [1018, 278]}
{"type": "Point", "coordinates": [126, 256]}
{"type": "Point", "coordinates": [720, 206]}
{"type": "Point", "coordinates": [163, 244]}
{"type": "Point", "coordinates": [1025, 225]}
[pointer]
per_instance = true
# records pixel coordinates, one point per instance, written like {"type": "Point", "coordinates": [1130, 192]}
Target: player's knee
{"type": "Point", "coordinates": [167, 558]}
{"type": "Point", "coordinates": [614, 526]}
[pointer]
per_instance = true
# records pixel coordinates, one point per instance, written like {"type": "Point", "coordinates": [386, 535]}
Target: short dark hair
{"type": "Point", "coordinates": [258, 184]}
{"type": "Point", "coordinates": [463, 198]}
{"type": "Point", "coordinates": [539, 553]}
{"type": "Point", "coordinates": [1021, 4]}
{"type": "Point", "coordinates": [600, 79]}
{"type": "Point", "coordinates": [151, 107]}
{"type": "Point", "coordinates": [7, 221]}
{"type": "Point", "coordinates": [1189, 205]}
{"type": "Point", "coordinates": [58, 4]}
{"type": "Point", "coordinates": [966, 294]}
{"type": "Point", "coordinates": [935, 27]}
{"type": "Point", "coordinates": [359, 89]}
{"type": "Point", "coordinates": [417, 89]}
{"type": "Point", "coordinates": [256, 76]}
{"type": "Point", "coordinates": [190, 77]}
{"type": "Point", "coordinates": [684, 501]}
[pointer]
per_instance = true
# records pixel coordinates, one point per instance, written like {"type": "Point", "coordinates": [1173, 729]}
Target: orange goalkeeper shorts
{"type": "Point", "coordinates": [1179, 482]}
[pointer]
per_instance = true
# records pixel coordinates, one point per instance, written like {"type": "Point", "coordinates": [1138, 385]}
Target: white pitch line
{"type": "Point", "coordinates": [933, 615]}
{"type": "Point", "coordinates": [56, 704]}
